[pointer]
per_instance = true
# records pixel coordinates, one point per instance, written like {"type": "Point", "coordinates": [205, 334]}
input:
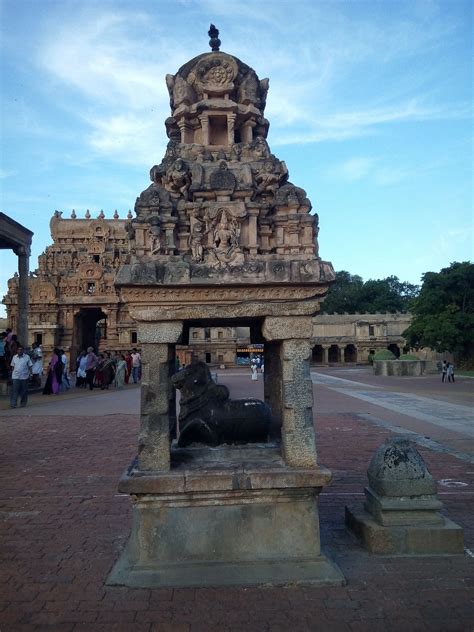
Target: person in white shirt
{"type": "Point", "coordinates": [65, 383]}
{"type": "Point", "coordinates": [136, 365]}
{"type": "Point", "coordinates": [37, 359]}
{"type": "Point", "coordinates": [21, 369]}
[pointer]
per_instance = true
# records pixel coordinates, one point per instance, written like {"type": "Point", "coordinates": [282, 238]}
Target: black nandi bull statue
{"type": "Point", "coordinates": [207, 415]}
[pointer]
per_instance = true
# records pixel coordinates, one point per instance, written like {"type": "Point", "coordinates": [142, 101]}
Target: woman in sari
{"type": "Point", "coordinates": [55, 374]}
{"type": "Point", "coordinates": [121, 370]}
{"type": "Point", "coordinates": [128, 371]}
{"type": "Point", "coordinates": [108, 371]}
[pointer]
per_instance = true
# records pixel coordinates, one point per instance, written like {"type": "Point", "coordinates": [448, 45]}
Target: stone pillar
{"type": "Point", "coordinates": [187, 132]}
{"type": "Point", "coordinates": [230, 128]}
{"type": "Point", "coordinates": [252, 242]}
{"type": "Point", "coordinates": [158, 409]}
{"type": "Point", "coordinates": [23, 298]}
{"type": "Point", "coordinates": [246, 133]}
{"type": "Point", "coordinates": [325, 354]}
{"type": "Point", "coordinates": [293, 335]}
{"type": "Point", "coordinates": [204, 120]}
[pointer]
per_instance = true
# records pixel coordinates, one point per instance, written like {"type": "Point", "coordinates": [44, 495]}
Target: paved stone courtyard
{"type": "Point", "coordinates": [64, 524]}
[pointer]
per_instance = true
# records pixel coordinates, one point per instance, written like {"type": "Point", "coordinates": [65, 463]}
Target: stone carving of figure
{"type": "Point", "coordinates": [225, 236]}
{"type": "Point", "coordinates": [195, 241]}
{"type": "Point", "coordinates": [154, 240]}
{"type": "Point", "coordinates": [267, 179]}
{"type": "Point", "coordinates": [130, 229]}
{"type": "Point", "coordinates": [177, 179]}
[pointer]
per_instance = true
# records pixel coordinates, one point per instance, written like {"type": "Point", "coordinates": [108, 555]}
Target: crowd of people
{"type": "Point", "coordinates": [109, 368]}
{"type": "Point", "coordinates": [102, 370]}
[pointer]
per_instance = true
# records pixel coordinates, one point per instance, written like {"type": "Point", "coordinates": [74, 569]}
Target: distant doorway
{"type": "Point", "coordinates": [90, 329]}
{"type": "Point", "coordinates": [333, 354]}
{"type": "Point", "coordinates": [350, 354]}
{"type": "Point", "coordinates": [317, 355]}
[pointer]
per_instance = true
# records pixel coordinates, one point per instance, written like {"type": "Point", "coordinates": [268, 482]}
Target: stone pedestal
{"type": "Point", "coordinates": [221, 522]}
{"type": "Point", "coordinates": [400, 515]}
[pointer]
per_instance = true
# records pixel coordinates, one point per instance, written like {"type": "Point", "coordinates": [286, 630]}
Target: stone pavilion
{"type": "Point", "coordinates": [222, 236]}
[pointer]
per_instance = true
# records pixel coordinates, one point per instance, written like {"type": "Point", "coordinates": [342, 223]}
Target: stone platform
{"type": "Point", "coordinates": [224, 516]}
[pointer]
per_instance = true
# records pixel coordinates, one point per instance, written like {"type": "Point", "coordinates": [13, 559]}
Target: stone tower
{"type": "Point", "coordinates": [222, 236]}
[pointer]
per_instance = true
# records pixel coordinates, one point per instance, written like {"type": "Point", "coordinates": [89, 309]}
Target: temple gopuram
{"type": "Point", "coordinates": [72, 299]}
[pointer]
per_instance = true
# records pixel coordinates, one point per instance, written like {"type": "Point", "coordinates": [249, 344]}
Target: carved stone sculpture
{"type": "Point", "coordinates": [208, 416]}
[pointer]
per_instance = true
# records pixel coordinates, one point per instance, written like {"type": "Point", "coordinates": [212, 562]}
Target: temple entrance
{"type": "Point", "coordinates": [317, 355]}
{"type": "Point", "coordinates": [350, 354]}
{"type": "Point", "coordinates": [90, 328]}
{"type": "Point", "coordinates": [333, 354]}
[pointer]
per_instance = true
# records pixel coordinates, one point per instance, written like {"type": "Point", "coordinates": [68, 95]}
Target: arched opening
{"type": "Point", "coordinates": [394, 349]}
{"type": "Point", "coordinates": [90, 330]}
{"type": "Point", "coordinates": [333, 354]}
{"type": "Point", "coordinates": [317, 355]}
{"type": "Point", "coordinates": [350, 354]}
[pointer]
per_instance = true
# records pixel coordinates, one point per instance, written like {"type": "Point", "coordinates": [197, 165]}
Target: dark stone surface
{"type": "Point", "coordinates": [208, 416]}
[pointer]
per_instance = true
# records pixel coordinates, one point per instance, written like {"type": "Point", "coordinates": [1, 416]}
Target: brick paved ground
{"type": "Point", "coordinates": [63, 525]}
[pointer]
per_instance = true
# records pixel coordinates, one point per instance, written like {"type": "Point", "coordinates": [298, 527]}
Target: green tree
{"type": "Point", "coordinates": [343, 295]}
{"type": "Point", "coordinates": [350, 294]}
{"type": "Point", "coordinates": [444, 312]}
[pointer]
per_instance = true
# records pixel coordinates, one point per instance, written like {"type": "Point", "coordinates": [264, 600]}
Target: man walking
{"type": "Point", "coordinates": [136, 365]}
{"type": "Point", "coordinates": [21, 365]}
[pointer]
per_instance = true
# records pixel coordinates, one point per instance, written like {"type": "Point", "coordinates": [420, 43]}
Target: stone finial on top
{"type": "Point", "coordinates": [88, 214]}
{"type": "Point", "coordinates": [116, 215]}
{"type": "Point", "coordinates": [214, 42]}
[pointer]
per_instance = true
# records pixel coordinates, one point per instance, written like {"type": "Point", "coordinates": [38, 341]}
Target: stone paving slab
{"type": "Point", "coordinates": [63, 525]}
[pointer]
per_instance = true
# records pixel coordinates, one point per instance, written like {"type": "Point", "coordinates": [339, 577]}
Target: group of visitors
{"type": "Point", "coordinates": [8, 349]}
{"type": "Point", "coordinates": [100, 371]}
{"type": "Point", "coordinates": [447, 371]}
{"type": "Point", "coordinates": [256, 365]}
{"type": "Point", "coordinates": [57, 378]}
{"type": "Point", "coordinates": [107, 368]}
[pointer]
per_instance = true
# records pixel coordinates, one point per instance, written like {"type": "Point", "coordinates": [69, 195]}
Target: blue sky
{"type": "Point", "coordinates": [370, 106]}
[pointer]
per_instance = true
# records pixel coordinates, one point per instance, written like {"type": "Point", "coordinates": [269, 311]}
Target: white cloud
{"type": "Point", "coordinates": [129, 138]}
{"type": "Point", "coordinates": [112, 65]}
{"type": "Point", "coordinates": [354, 168]}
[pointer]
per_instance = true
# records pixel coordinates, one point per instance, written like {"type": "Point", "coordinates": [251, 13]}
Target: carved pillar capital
{"type": "Point", "coordinates": [288, 327]}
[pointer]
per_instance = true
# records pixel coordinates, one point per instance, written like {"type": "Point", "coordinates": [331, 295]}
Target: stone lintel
{"type": "Point", "coordinates": [227, 479]}
{"type": "Point", "coordinates": [285, 328]}
{"type": "Point", "coordinates": [219, 311]}
{"type": "Point", "coordinates": [159, 332]}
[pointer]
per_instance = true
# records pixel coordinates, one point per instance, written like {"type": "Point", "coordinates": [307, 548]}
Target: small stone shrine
{"type": "Point", "coordinates": [401, 512]}
{"type": "Point", "coordinates": [221, 236]}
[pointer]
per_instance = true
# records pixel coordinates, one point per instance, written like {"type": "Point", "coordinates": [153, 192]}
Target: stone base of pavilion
{"type": "Point", "coordinates": [223, 523]}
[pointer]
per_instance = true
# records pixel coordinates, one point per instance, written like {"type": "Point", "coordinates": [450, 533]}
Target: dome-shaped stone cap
{"type": "Point", "coordinates": [217, 68]}
{"type": "Point", "coordinates": [397, 469]}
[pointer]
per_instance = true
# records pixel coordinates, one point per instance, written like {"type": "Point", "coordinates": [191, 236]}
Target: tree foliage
{"type": "Point", "coordinates": [351, 294]}
{"type": "Point", "coordinates": [444, 311]}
